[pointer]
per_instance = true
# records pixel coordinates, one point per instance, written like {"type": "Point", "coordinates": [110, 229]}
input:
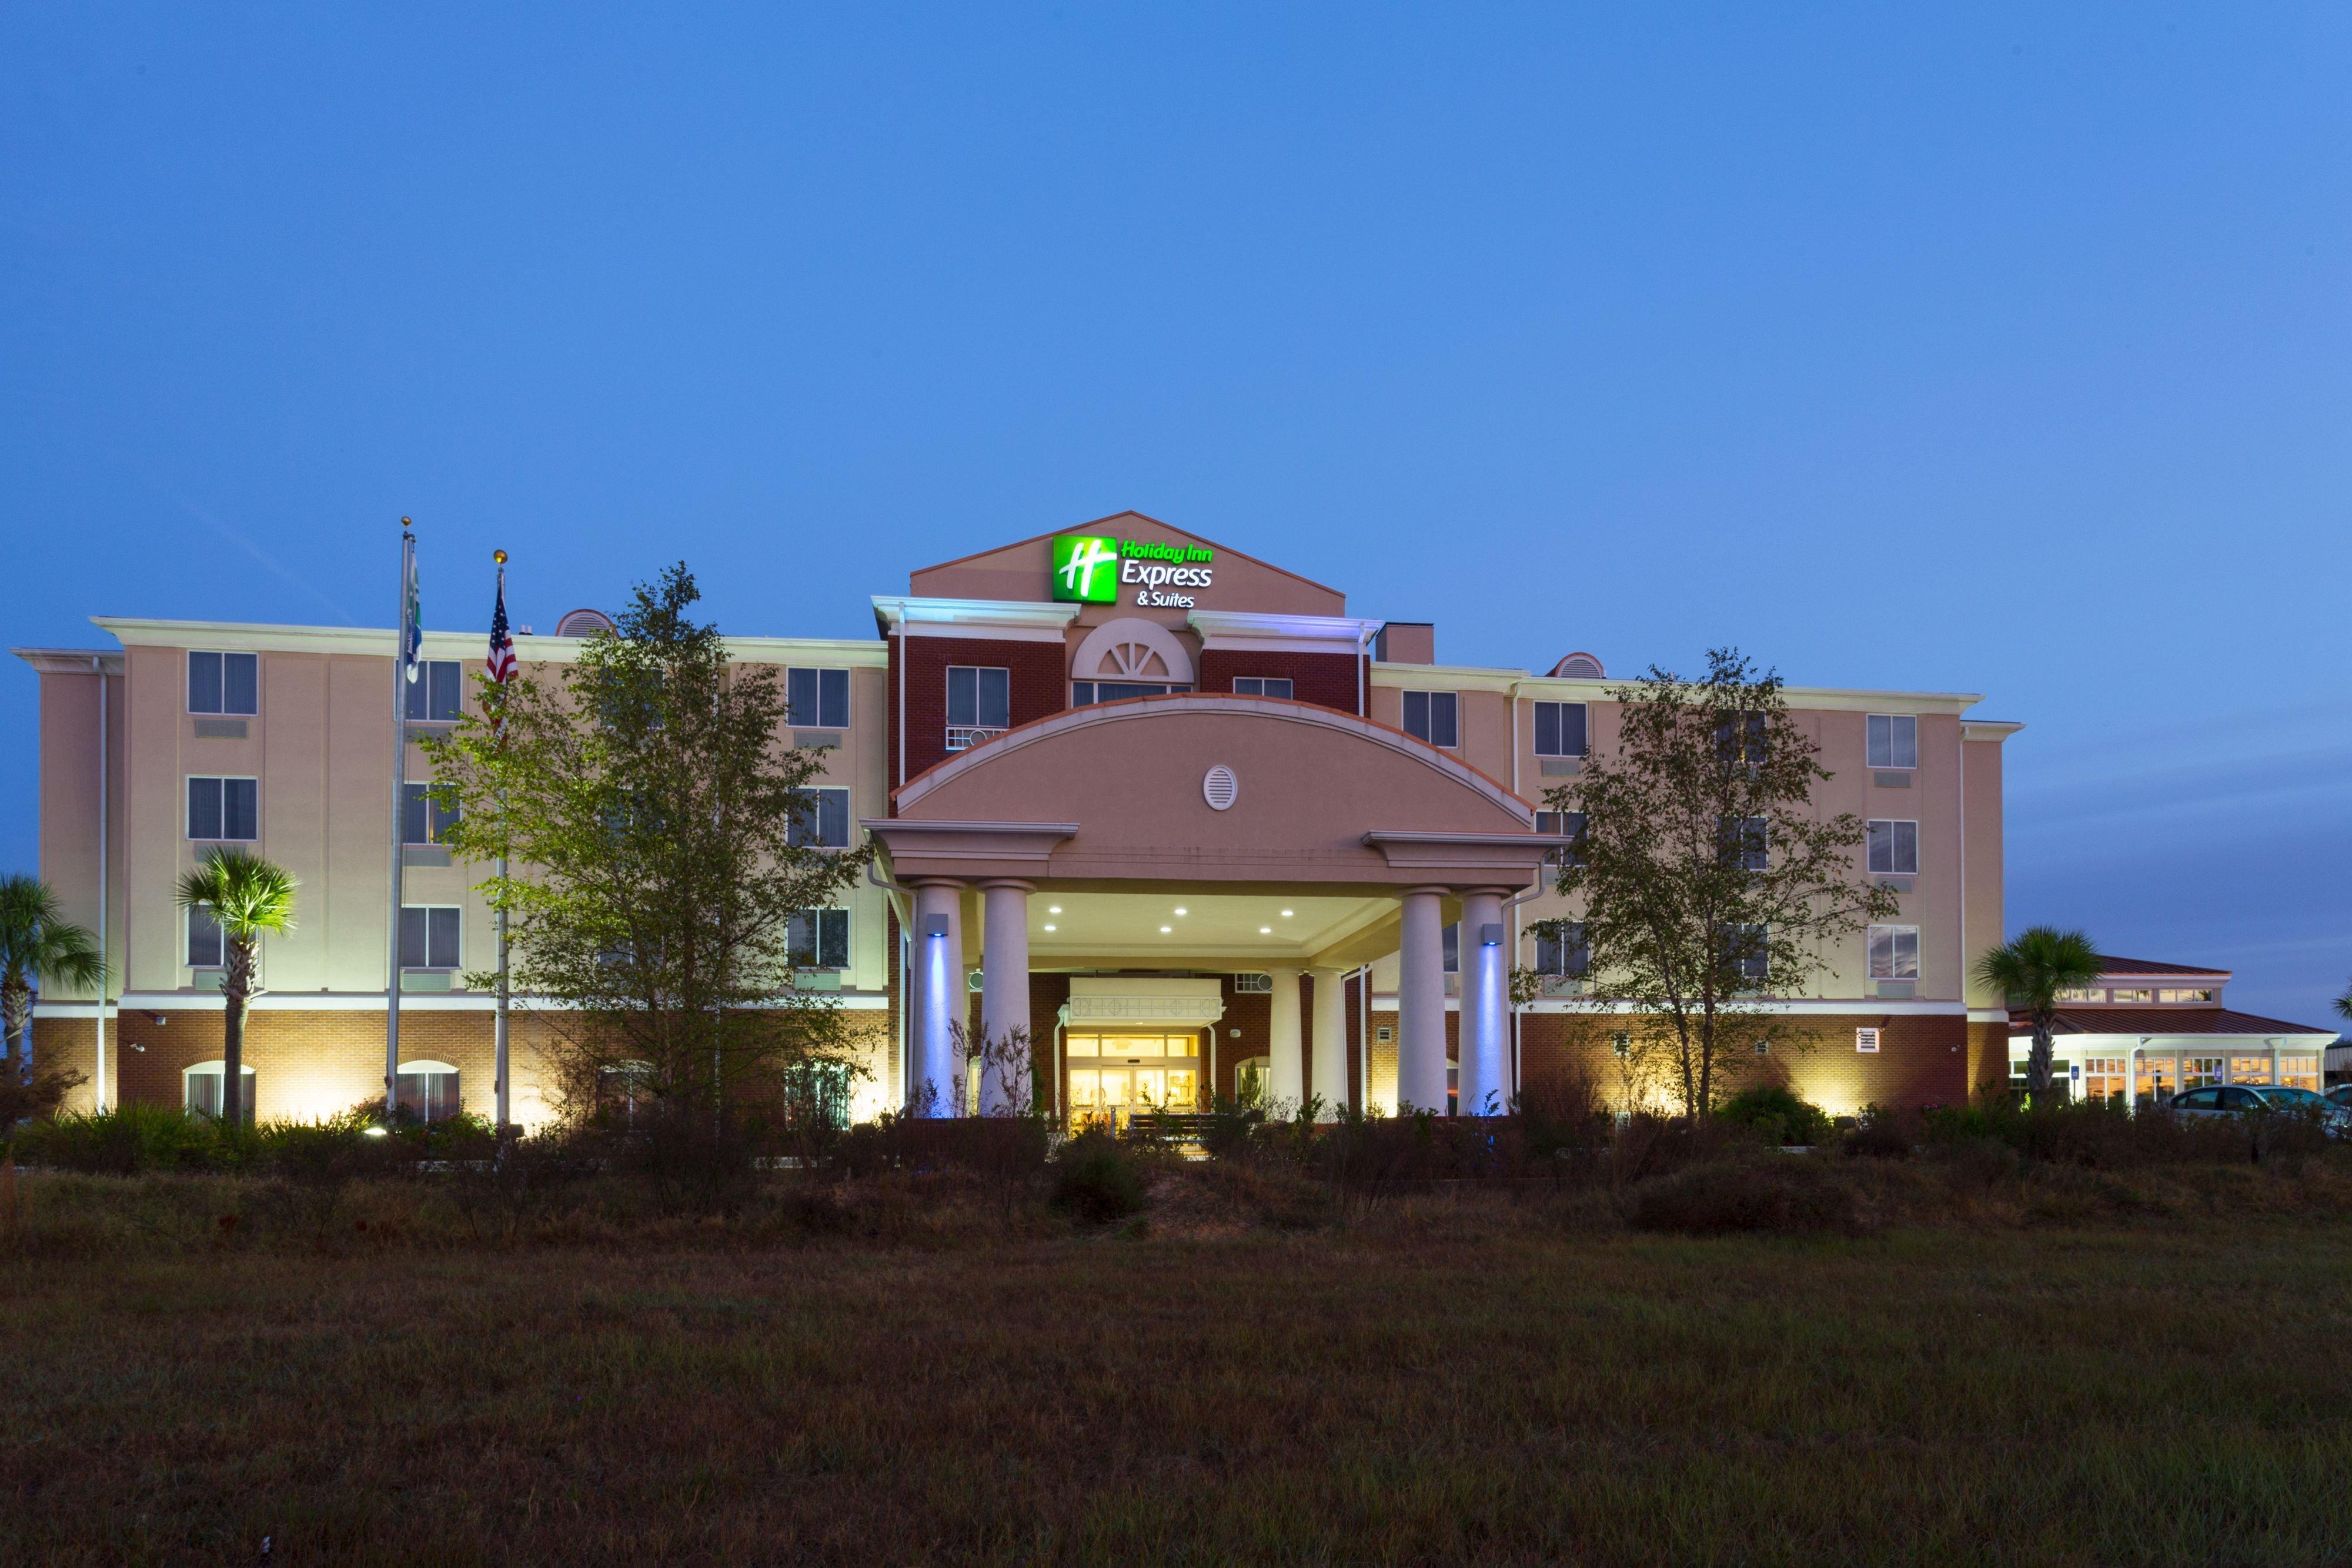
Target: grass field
{"type": "Point", "coordinates": [1448, 1378]}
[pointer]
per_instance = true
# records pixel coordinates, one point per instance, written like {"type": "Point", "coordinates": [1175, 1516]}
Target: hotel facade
{"type": "Point", "coordinates": [1170, 808]}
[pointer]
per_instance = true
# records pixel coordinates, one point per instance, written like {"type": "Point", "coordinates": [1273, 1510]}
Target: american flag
{"type": "Point", "coordinates": [501, 662]}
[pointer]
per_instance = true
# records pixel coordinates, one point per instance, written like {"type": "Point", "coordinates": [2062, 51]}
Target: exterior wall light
{"type": "Point", "coordinates": [1490, 934]}
{"type": "Point", "coordinates": [935, 925]}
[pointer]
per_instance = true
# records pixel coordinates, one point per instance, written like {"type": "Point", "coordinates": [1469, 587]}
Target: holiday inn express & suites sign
{"type": "Point", "coordinates": [1095, 569]}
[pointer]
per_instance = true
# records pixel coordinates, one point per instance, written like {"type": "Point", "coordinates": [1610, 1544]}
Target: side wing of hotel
{"type": "Point", "coordinates": [1169, 808]}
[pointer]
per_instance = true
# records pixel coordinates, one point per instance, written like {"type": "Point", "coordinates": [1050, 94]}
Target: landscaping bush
{"type": "Point", "coordinates": [1776, 1115]}
{"type": "Point", "coordinates": [1791, 1195]}
{"type": "Point", "coordinates": [1098, 1180]}
{"type": "Point", "coordinates": [1883, 1134]}
{"type": "Point", "coordinates": [2105, 1136]}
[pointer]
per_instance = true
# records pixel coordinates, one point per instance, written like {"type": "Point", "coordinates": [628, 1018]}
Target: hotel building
{"type": "Point", "coordinates": [1171, 808]}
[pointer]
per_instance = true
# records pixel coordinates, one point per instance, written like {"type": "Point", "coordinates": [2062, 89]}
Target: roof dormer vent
{"type": "Point", "coordinates": [585, 623]}
{"type": "Point", "coordinates": [1578, 667]}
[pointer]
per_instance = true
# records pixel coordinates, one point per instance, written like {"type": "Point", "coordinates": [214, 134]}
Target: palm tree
{"type": "Point", "coordinates": [245, 895]}
{"type": "Point", "coordinates": [2031, 968]}
{"type": "Point", "coordinates": [38, 943]}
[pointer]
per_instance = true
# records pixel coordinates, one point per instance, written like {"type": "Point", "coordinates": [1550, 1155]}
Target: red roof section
{"type": "Point", "coordinates": [2109, 965]}
{"type": "Point", "coordinates": [2160, 1021]}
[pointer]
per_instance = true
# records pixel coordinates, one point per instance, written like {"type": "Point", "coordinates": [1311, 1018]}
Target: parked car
{"type": "Point", "coordinates": [2217, 1100]}
{"type": "Point", "coordinates": [2261, 1100]}
{"type": "Point", "coordinates": [2341, 1095]}
{"type": "Point", "coordinates": [2306, 1102]}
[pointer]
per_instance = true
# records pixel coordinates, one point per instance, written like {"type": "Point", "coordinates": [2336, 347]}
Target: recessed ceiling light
{"type": "Point", "coordinates": [1049, 927]}
{"type": "Point", "coordinates": [1266, 930]}
{"type": "Point", "coordinates": [1180, 910]}
{"type": "Point", "coordinates": [1166, 929]}
{"type": "Point", "coordinates": [1053, 909]}
{"type": "Point", "coordinates": [1286, 914]}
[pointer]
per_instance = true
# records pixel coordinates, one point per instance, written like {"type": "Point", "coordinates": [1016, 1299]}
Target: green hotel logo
{"type": "Point", "coordinates": [1086, 569]}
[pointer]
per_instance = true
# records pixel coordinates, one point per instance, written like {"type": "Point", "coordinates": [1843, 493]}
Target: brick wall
{"type": "Point", "coordinates": [1040, 686]}
{"type": "Point", "coordinates": [1921, 1060]}
{"type": "Point", "coordinates": [1331, 680]}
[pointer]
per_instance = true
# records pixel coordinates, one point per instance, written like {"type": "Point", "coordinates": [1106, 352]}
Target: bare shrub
{"type": "Point", "coordinates": [1789, 1195]}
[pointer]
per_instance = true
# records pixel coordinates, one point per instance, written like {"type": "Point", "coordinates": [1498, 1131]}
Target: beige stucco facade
{"type": "Point", "coordinates": [1066, 819]}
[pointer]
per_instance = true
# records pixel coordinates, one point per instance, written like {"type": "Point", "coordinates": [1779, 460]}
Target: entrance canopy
{"type": "Point", "coordinates": [1284, 831]}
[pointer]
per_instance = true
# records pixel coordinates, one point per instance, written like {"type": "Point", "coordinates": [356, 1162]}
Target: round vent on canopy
{"type": "Point", "coordinates": [1220, 789]}
{"type": "Point", "coordinates": [1578, 667]}
{"type": "Point", "coordinates": [585, 623]}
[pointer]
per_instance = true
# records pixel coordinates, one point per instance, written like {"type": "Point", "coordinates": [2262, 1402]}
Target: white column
{"type": "Point", "coordinates": [1004, 998]}
{"type": "Point", "coordinates": [1421, 1002]}
{"type": "Point", "coordinates": [1486, 1005]}
{"type": "Point", "coordinates": [939, 1004]}
{"type": "Point", "coordinates": [1328, 1077]}
{"type": "Point", "coordinates": [1286, 1085]}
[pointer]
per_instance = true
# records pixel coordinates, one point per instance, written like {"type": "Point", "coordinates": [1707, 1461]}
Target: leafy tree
{"type": "Point", "coordinates": [2031, 968]}
{"type": "Point", "coordinates": [246, 896]}
{"type": "Point", "coordinates": [655, 817]}
{"type": "Point", "coordinates": [1708, 883]}
{"type": "Point", "coordinates": [37, 944]}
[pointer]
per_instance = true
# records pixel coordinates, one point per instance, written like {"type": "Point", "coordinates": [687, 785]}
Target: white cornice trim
{"type": "Point", "coordinates": [379, 642]}
{"type": "Point", "coordinates": [1242, 632]}
{"type": "Point", "coordinates": [359, 1002]}
{"type": "Point", "coordinates": [71, 661]}
{"type": "Point", "coordinates": [1474, 677]}
{"type": "Point", "coordinates": [1000, 619]}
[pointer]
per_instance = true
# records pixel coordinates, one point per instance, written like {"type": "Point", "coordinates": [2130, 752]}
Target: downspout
{"type": "Point", "coordinates": [1363, 645]}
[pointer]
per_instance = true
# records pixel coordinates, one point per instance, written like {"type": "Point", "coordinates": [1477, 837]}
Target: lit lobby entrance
{"type": "Point", "coordinates": [1112, 1076]}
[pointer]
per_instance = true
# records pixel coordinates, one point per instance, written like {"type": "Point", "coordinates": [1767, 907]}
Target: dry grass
{"type": "Point", "coordinates": [2088, 1369]}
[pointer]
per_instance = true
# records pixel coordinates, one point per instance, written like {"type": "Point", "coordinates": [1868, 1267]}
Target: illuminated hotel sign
{"type": "Point", "coordinates": [1092, 568]}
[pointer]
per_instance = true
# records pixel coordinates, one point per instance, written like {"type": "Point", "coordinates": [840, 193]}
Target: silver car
{"type": "Point", "coordinates": [2306, 1102]}
{"type": "Point", "coordinates": [2259, 1100]}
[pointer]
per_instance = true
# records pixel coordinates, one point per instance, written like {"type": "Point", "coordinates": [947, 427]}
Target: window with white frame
{"type": "Point", "coordinates": [224, 683]}
{"type": "Point", "coordinates": [1747, 953]}
{"type": "Point", "coordinates": [423, 819]}
{"type": "Point", "coordinates": [200, 1087]}
{"type": "Point", "coordinates": [819, 939]}
{"type": "Point", "coordinates": [1894, 848]}
{"type": "Point", "coordinates": [1434, 717]}
{"type": "Point", "coordinates": [429, 937]}
{"type": "Point", "coordinates": [1894, 952]}
{"type": "Point", "coordinates": [1559, 729]}
{"type": "Point", "coordinates": [1568, 825]}
{"type": "Point", "coordinates": [428, 1090]}
{"type": "Point", "coordinates": [207, 949]}
{"type": "Point", "coordinates": [2082, 994]}
{"type": "Point", "coordinates": [979, 703]}
{"type": "Point", "coordinates": [1262, 686]}
{"type": "Point", "coordinates": [2198, 994]}
{"type": "Point", "coordinates": [1745, 842]}
{"type": "Point", "coordinates": [820, 820]}
{"type": "Point", "coordinates": [223, 811]}
{"type": "Point", "coordinates": [1561, 950]}
{"type": "Point", "coordinates": [437, 694]}
{"type": "Point", "coordinates": [817, 699]}
{"type": "Point", "coordinates": [1893, 740]}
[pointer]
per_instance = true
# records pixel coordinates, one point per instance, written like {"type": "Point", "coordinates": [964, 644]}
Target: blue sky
{"type": "Point", "coordinates": [2005, 352]}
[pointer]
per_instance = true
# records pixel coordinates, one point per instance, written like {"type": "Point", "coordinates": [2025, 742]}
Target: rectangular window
{"type": "Point", "coordinates": [1866, 1041]}
{"type": "Point", "coordinates": [979, 697]}
{"type": "Point", "coordinates": [224, 683]}
{"type": "Point", "coordinates": [1453, 948]}
{"type": "Point", "coordinates": [1747, 953]}
{"type": "Point", "coordinates": [2200, 1071]}
{"type": "Point", "coordinates": [1569, 824]}
{"type": "Point", "coordinates": [818, 700]}
{"type": "Point", "coordinates": [1262, 686]}
{"type": "Point", "coordinates": [1894, 952]}
{"type": "Point", "coordinates": [206, 950]}
{"type": "Point", "coordinates": [1893, 740]}
{"type": "Point", "coordinates": [429, 937]}
{"type": "Point", "coordinates": [2137, 995]}
{"type": "Point", "coordinates": [422, 820]}
{"type": "Point", "coordinates": [2200, 995]}
{"type": "Point", "coordinates": [2103, 1079]}
{"type": "Point", "coordinates": [1434, 717]}
{"type": "Point", "coordinates": [1086, 694]}
{"type": "Point", "coordinates": [819, 939]}
{"type": "Point", "coordinates": [1561, 949]}
{"type": "Point", "coordinates": [437, 694]}
{"type": "Point", "coordinates": [1559, 729]}
{"type": "Point", "coordinates": [1745, 843]}
{"type": "Point", "coordinates": [225, 809]}
{"type": "Point", "coordinates": [2082, 994]}
{"type": "Point", "coordinates": [1894, 848]}
{"type": "Point", "coordinates": [823, 820]}
{"type": "Point", "coordinates": [2155, 1077]}
{"type": "Point", "coordinates": [2299, 1072]}
{"type": "Point", "coordinates": [2249, 1069]}
{"type": "Point", "coordinates": [1741, 739]}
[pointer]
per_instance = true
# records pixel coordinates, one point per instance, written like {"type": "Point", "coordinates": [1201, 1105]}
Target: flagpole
{"type": "Point", "coordinates": [498, 1029]}
{"type": "Point", "coordinates": [399, 817]}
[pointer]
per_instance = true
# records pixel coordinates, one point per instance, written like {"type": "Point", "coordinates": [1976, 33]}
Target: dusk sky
{"type": "Point", "coordinates": [2003, 351]}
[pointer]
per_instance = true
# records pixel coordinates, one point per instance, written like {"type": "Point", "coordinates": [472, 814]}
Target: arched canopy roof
{"type": "Point", "coordinates": [1118, 794]}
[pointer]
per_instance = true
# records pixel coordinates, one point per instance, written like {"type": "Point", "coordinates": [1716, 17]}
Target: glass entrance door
{"type": "Point", "coordinates": [1112, 1076]}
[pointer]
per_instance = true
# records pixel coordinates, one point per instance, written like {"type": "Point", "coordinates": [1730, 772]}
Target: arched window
{"type": "Point", "coordinates": [1128, 657]}
{"type": "Point", "coordinates": [200, 1088]}
{"type": "Point", "coordinates": [428, 1090]}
